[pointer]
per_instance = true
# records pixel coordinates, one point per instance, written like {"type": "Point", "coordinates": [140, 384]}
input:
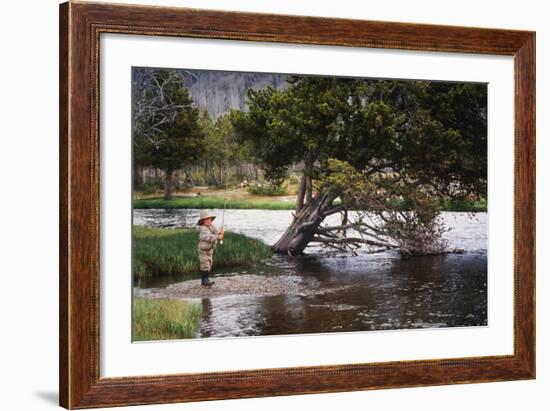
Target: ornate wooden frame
{"type": "Point", "coordinates": [80, 27]}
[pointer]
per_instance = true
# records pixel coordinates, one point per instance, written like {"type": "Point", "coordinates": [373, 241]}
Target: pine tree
{"type": "Point", "coordinates": [167, 130]}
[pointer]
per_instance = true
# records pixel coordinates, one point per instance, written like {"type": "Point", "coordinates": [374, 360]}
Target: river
{"type": "Point", "coordinates": [344, 293]}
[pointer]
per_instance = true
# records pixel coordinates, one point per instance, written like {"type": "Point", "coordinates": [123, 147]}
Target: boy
{"type": "Point", "coordinates": [208, 237]}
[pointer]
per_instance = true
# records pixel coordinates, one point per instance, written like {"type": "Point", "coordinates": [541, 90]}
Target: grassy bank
{"type": "Point", "coordinates": [165, 251]}
{"type": "Point", "coordinates": [267, 203]}
{"type": "Point", "coordinates": [164, 319]}
{"type": "Point", "coordinates": [469, 206]}
{"type": "Point", "coordinates": [270, 203]}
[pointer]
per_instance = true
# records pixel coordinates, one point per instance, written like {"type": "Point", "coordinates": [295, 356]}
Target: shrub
{"type": "Point", "coordinates": [293, 180]}
{"type": "Point", "coordinates": [268, 189]}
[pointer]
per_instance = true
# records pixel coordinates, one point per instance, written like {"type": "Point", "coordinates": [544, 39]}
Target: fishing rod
{"type": "Point", "coordinates": [224, 205]}
{"type": "Point", "coordinates": [225, 186]}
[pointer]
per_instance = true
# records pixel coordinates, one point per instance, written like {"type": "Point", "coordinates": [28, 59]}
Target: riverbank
{"type": "Point", "coordinates": [249, 285]}
{"type": "Point", "coordinates": [204, 202]}
{"type": "Point", "coordinates": [168, 251]}
{"type": "Point", "coordinates": [271, 203]}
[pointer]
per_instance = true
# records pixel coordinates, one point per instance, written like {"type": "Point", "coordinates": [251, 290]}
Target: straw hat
{"type": "Point", "coordinates": [204, 215]}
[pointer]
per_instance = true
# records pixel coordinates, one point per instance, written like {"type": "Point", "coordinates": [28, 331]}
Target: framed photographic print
{"type": "Point", "coordinates": [256, 205]}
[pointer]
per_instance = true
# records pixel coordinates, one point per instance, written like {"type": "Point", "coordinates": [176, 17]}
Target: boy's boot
{"type": "Point", "coordinates": [208, 282]}
{"type": "Point", "coordinates": [204, 278]}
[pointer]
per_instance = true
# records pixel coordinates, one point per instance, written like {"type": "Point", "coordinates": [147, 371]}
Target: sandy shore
{"type": "Point", "coordinates": [243, 285]}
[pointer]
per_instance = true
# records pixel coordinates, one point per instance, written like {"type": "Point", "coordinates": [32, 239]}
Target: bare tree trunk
{"type": "Point", "coordinates": [189, 179]}
{"type": "Point", "coordinates": [144, 174]}
{"type": "Point", "coordinates": [309, 189]}
{"type": "Point", "coordinates": [306, 222]}
{"type": "Point", "coordinates": [301, 194]}
{"type": "Point", "coordinates": [138, 176]}
{"type": "Point", "coordinates": [308, 170]}
{"type": "Point", "coordinates": [168, 185]}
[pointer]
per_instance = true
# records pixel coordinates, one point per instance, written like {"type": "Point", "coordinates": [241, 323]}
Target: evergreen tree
{"type": "Point", "coordinates": [410, 142]}
{"type": "Point", "coordinates": [167, 129]}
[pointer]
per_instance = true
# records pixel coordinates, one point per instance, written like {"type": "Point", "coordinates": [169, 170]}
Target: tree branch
{"type": "Point", "coordinates": [336, 228]}
{"type": "Point", "coordinates": [305, 226]}
{"type": "Point", "coordinates": [333, 210]}
{"type": "Point", "coordinates": [352, 240]}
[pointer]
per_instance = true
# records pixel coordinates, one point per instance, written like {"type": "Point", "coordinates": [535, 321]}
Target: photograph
{"type": "Point", "coordinates": [275, 205]}
{"type": "Point", "coordinates": [281, 203]}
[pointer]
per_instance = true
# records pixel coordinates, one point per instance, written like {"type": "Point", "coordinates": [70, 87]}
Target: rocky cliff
{"type": "Point", "coordinates": [221, 91]}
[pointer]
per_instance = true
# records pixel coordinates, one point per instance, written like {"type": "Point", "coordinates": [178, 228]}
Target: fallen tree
{"type": "Point", "coordinates": [380, 153]}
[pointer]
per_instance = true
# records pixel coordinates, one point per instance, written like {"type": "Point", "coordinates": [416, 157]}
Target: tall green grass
{"type": "Point", "coordinates": [164, 319]}
{"type": "Point", "coordinates": [464, 205]}
{"type": "Point", "coordinates": [277, 204]}
{"type": "Point", "coordinates": [215, 202]}
{"type": "Point", "coordinates": [167, 251]}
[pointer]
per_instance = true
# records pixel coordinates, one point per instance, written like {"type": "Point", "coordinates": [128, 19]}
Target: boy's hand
{"type": "Point", "coordinates": [220, 234]}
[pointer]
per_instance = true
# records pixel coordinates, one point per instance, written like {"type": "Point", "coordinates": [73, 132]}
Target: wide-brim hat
{"type": "Point", "coordinates": [204, 215]}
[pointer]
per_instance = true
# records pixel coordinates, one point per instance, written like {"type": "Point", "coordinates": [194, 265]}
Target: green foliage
{"type": "Point", "coordinates": [406, 214]}
{"type": "Point", "coordinates": [166, 252]}
{"type": "Point", "coordinates": [164, 319]}
{"type": "Point", "coordinates": [463, 107]}
{"type": "Point", "coordinates": [464, 205]}
{"type": "Point", "coordinates": [285, 127]}
{"type": "Point", "coordinates": [293, 180]}
{"type": "Point", "coordinates": [174, 136]}
{"type": "Point", "coordinates": [269, 189]}
{"type": "Point", "coordinates": [167, 130]}
{"type": "Point", "coordinates": [427, 132]}
{"type": "Point", "coordinates": [222, 148]}
{"type": "Point", "coordinates": [150, 186]}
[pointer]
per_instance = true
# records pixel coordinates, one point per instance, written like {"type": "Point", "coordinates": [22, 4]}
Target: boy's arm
{"type": "Point", "coordinates": [220, 233]}
{"type": "Point", "coordinates": [207, 235]}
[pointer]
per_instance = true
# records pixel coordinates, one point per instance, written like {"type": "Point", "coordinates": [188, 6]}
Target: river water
{"type": "Point", "coordinates": [367, 292]}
